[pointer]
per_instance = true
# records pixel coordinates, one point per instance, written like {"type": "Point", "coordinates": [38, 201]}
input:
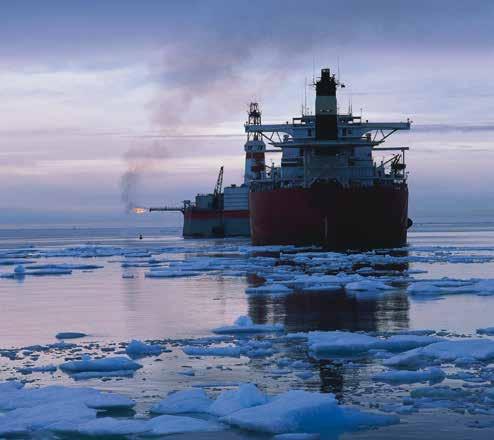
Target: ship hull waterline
{"type": "Point", "coordinates": [215, 223]}
{"type": "Point", "coordinates": [332, 217]}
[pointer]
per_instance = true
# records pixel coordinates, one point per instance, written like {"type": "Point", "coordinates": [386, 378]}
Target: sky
{"type": "Point", "coordinates": [92, 92]}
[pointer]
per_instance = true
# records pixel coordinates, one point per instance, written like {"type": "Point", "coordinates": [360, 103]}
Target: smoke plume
{"type": "Point", "coordinates": [140, 161]}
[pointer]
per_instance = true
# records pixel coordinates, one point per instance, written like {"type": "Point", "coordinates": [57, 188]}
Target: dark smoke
{"type": "Point", "coordinates": [140, 160]}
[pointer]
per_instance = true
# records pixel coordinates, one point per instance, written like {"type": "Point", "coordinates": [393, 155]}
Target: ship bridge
{"type": "Point", "coordinates": [301, 132]}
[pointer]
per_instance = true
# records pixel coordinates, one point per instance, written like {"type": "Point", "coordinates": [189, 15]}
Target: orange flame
{"type": "Point", "coordinates": [139, 210]}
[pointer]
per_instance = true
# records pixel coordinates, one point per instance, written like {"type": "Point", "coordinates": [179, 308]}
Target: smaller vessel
{"type": "Point", "coordinates": [222, 213]}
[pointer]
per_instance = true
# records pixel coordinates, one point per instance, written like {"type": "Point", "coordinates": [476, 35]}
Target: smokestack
{"type": "Point", "coordinates": [326, 107]}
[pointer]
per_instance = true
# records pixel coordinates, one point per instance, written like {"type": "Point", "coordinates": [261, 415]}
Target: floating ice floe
{"type": "Point", "coordinates": [40, 369]}
{"type": "Point", "coordinates": [246, 396]}
{"type": "Point", "coordinates": [269, 288]}
{"type": "Point", "coordinates": [228, 351]}
{"type": "Point", "coordinates": [433, 375]}
{"type": "Point", "coordinates": [297, 436]}
{"type": "Point", "coordinates": [171, 273]}
{"type": "Point", "coordinates": [339, 342]}
{"type": "Point", "coordinates": [303, 411]}
{"type": "Point", "coordinates": [167, 424]}
{"type": "Point", "coordinates": [137, 349]}
{"type": "Point", "coordinates": [13, 397]}
{"type": "Point", "coordinates": [194, 400]}
{"type": "Point", "coordinates": [445, 351]}
{"type": "Point", "coordinates": [92, 368]}
{"type": "Point", "coordinates": [69, 266]}
{"type": "Point", "coordinates": [367, 285]}
{"type": "Point", "coordinates": [451, 287]}
{"type": "Point", "coordinates": [69, 411]}
{"type": "Point", "coordinates": [486, 331]}
{"type": "Point", "coordinates": [244, 324]}
{"type": "Point", "coordinates": [70, 335]}
{"type": "Point", "coordinates": [157, 426]}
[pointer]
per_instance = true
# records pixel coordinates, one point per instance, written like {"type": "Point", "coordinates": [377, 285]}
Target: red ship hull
{"type": "Point", "coordinates": [331, 216]}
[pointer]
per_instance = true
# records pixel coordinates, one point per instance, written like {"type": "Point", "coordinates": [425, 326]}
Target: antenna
{"type": "Point", "coordinates": [338, 62]}
{"type": "Point", "coordinates": [305, 97]}
{"type": "Point", "coordinates": [313, 69]}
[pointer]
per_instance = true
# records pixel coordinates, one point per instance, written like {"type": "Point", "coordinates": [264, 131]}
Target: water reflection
{"type": "Point", "coordinates": [334, 311]}
{"type": "Point", "coordinates": [303, 312]}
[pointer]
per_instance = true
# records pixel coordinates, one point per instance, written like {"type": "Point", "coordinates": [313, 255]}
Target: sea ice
{"type": "Point", "coordinates": [404, 342]}
{"type": "Point", "coordinates": [297, 436]}
{"type": "Point", "coordinates": [171, 273]}
{"type": "Point", "coordinates": [109, 426]}
{"type": "Point", "coordinates": [269, 288]}
{"type": "Point", "coordinates": [70, 335]}
{"type": "Point", "coordinates": [445, 351]}
{"type": "Point", "coordinates": [194, 400]}
{"type": "Point", "coordinates": [12, 398]}
{"type": "Point", "coordinates": [137, 349]}
{"type": "Point", "coordinates": [247, 395]}
{"type": "Point", "coordinates": [166, 424]}
{"type": "Point", "coordinates": [40, 417]}
{"type": "Point", "coordinates": [86, 375]}
{"type": "Point", "coordinates": [486, 331]}
{"type": "Point", "coordinates": [230, 351]}
{"type": "Point", "coordinates": [367, 285]}
{"type": "Point", "coordinates": [244, 324]}
{"type": "Point", "coordinates": [41, 369]}
{"type": "Point", "coordinates": [49, 271]}
{"type": "Point", "coordinates": [303, 411]}
{"type": "Point", "coordinates": [87, 364]}
{"type": "Point", "coordinates": [340, 342]}
{"type": "Point", "coordinates": [433, 375]}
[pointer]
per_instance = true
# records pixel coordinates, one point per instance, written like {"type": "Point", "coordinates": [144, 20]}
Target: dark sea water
{"type": "Point", "coordinates": [112, 310]}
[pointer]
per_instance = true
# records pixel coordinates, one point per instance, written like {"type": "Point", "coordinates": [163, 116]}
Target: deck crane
{"type": "Point", "coordinates": [217, 201]}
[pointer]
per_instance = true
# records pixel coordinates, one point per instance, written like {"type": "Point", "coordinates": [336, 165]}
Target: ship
{"type": "Point", "coordinates": [327, 191]}
{"type": "Point", "coordinates": [222, 213]}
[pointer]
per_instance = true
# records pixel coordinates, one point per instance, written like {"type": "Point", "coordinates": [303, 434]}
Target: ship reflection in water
{"type": "Point", "coordinates": [322, 311]}
{"type": "Point", "coordinates": [303, 312]}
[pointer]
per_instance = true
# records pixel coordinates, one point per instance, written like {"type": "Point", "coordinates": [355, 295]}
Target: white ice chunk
{"type": "Point", "coordinates": [86, 375]}
{"type": "Point", "coordinates": [303, 411]}
{"type": "Point", "coordinates": [297, 436]}
{"type": "Point", "coordinates": [108, 426]}
{"type": "Point", "coordinates": [194, 400]}
{"type": "Point", "coordinates": [229, 401]}
{"type": "Point", "coordinates": [137, 349]}
{"type": "Point", "coordinates": [116, 363]}
{"type": "Point", "coordinates": [486, 331]}
{"type": "Point", "coordinates": [269, 288]}
{"type": "Point", "coordinates": [170, 273]}
{"type": "Point", "coordinates": [479, 349]}
{"type": "Point", "coordinates": [405, 342]}
{"type": "Point", "coordinates": [41, 417]}
{"type": "Point", "coordinates": [244, 324]}
{"type": "Point", "coordinates": [70, 335]}
{"type": "Point", "coordinates": [12, 398]}
{"type": "Point", "coordinates": [165, 425]}
{"type": "Point", "coordinates": [40, 369]}
{"type": "Point", "coordinates": [367, 285]}
{"type": "Point", "coordinates": [340, 342]}
{"type": "Point", "coordinates": [403, 376]}
{"type": "Point", "coordinates": [229, 351]}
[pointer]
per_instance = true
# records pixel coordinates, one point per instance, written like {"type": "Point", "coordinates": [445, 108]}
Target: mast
{"type": "Point", "coordinates": [255, 163]}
